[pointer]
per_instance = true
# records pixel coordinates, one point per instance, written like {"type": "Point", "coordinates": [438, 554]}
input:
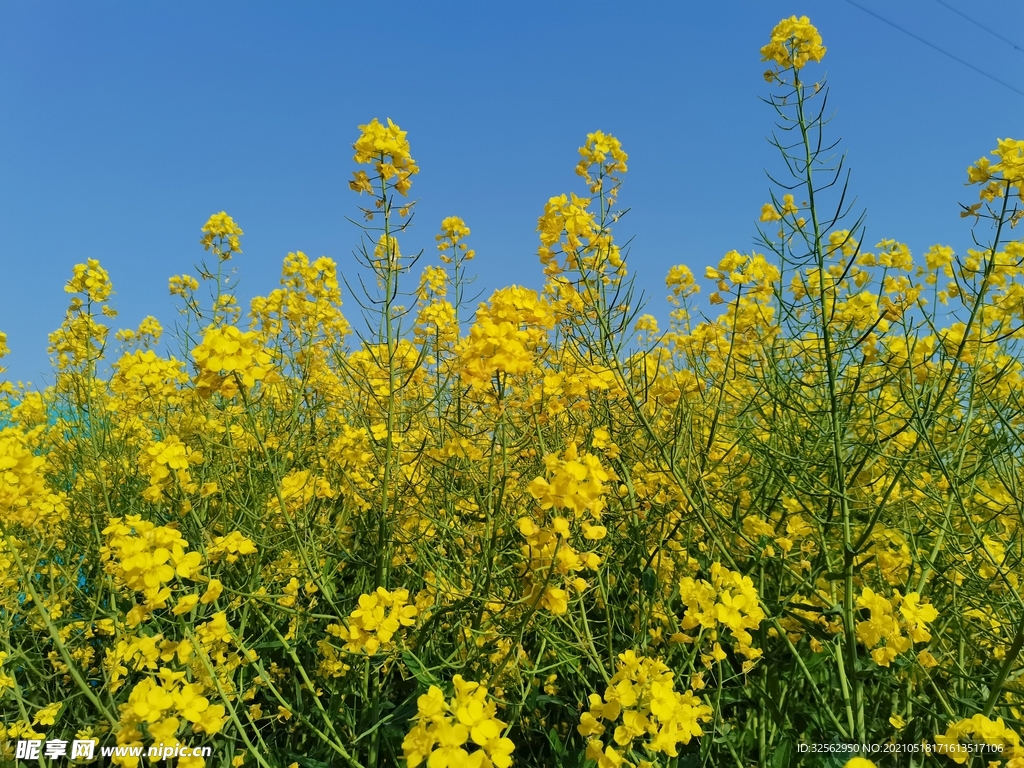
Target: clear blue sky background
{"type": "Point", "coordinates": [123, 126]}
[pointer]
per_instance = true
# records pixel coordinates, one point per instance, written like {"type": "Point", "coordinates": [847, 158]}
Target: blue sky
{"type": "Point", "coordinates": [123, 126]}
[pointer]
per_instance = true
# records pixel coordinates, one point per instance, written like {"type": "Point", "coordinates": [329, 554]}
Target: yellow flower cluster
{"type": "Point", "coordinates": [25, 497]}
{"type": "Point", "coordinates": [80, 339]}
{"type": "Point", "coordinates": [680, 281]}
{"type": "Point", "coordinates": [218, 641]}
{"type": "Point", "coordinates": [145, 381]}
{"type": "Point", "coordinates": [642, 695]}
{"type": "Point", "coordinates": [228, 357]}
{"type": "Point", "coordinates": [166, 461]}
{"type": "Point", "coordinates": [794, 42]}
{"type": "Point", "coordinates": [999, 177]}
{"type": "Point", "coordinates": [568, 228]}
{"type": "Point", "coordinates": [754, 273]}
{"type": "Point", "coordinates": [350, 450]}
{"type": "Point", "coordinates": [569, 216]}
{"type": "Point", "coordinates": [220, 234]}
{"type": "Point", "coordinates": [230, 547]}
{"type": "Point", "coordinates": [92, 280]}
{"type": "Point", "coordinates": [182, 285]}
{"type": "Point", "coordinates": [142, 652]}
{"type": "Point", "coordinates": [551, 558]}
{"type": "Point", "coordinates": [387, 148]}
{"type": "Point", "coordinates": [6, 388]}
{"type": "Point", "coordinates": [299, 488]}
{"type": "Point", "coordinates": [146, 557]}
{"type": "Point", "coordinates": [373, 625]}
{"type": "Point", "coordinates": [453, 232]}
{"type": "Point", "coordinates": [161, 704]}
{"type": "Point", "coordinates": [604, 151]}
{"type": "Point", "coordinates": [729, 600]}
{"type": "Point", "coordinates": [19, 729]}
{"type": "Point", "coordinates": [445, 730]}
{"type": "Point", "coordinates": [47, 715]}
{"type": "Point", "coordinates": [506, 339]}
{"type": "Point", "coordinates": [547, 551]}
{"type": "Point", "coordinates": [433, 282]}
{"type": "Point", "coordinates": [575, 483]}
{"type": "Point", "coordinates": [789, 208]}
{"type": "Point", "coordinates": [6, 680]}
{"type": "Point", "coordinates": [305, 310]}
{"type": "Point", "coordinates": [371, 362]}
{"type": "Point", "coordinates": [898, 632]}
{"type": "Point", "coordinates": [78, 342]}
{"type": "Point", "coordinates": [983, 730]}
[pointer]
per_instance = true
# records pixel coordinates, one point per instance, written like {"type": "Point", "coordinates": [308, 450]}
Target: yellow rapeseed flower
{"type": "Point", "coordinates": [794, 42]}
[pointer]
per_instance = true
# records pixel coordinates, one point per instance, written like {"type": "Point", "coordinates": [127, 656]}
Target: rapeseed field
{"type": "Point", "coordinates": [540, 531]}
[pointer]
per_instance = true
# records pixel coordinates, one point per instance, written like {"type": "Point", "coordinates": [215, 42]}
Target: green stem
{"type": "Point", "coordinates": [836, 429]}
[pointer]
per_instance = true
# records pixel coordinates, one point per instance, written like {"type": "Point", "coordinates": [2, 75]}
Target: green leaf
{"type": "Point", "coordinates": [815, 660]}
{"type": "Point", "coordinates": [650, 581]}
{"type": "Point", "coordinates": [783, 755]}
{"type": "Point", "coordinates": [423, 675]}
{"type": "Point", "coordinates": [556, 742]}
{"type": "Point", "coordinates": [835, 759]}
{"type": "Point", "coordinates": [546, 699]}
